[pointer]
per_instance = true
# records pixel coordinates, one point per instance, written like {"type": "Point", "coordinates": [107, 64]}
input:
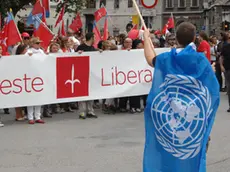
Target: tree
{"type": "Point", "coordinates": [72, 6]}
{"type": "Point", "coordinates": [15, 5]}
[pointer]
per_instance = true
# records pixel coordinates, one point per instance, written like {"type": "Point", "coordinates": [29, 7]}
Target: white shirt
{"type": "Point", "coordinates": [35, 51]}
{"type": "Point", "coordinates": [213, 58]}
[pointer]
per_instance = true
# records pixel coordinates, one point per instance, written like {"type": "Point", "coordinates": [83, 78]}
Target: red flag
{"type": "Point", "coordinates": [60, 16]}
{"type": "Point", "coordinates": [165, 30]}
{"type": "Point", "coordinates": [43, 32]}
{"type": "Point", "coordinates": [11, 33]}
{"type": "Point", "coordinates": [157, 32]}
{"type": "Point", "coordinates": [38, 9]}
{"type": "Point", "coordinates": [76, 24]}
{"type": "Point", "coordinates": [106, 31]}
{"type": "Point", "coordinates": [46, 5]}
{"type": "Point", "coordinates": [97, 35]}
{"type": "Point", "coordinates": [170, 23]}
{"type": "Point", "coordinates": [3, 41]}
{"type": "Point", "coordinates": [63, 33]}
{"type": "Point", "coordinates": [44, 16]}
{"type": "Point", "coordinates": [100, 13]}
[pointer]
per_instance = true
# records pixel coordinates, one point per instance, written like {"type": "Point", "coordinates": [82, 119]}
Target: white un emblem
{"type": "Point", "coordinates": [179, 113]}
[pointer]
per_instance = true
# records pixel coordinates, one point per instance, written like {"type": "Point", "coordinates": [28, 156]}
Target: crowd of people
{"type": "Point", "coordinates": [215, 50]}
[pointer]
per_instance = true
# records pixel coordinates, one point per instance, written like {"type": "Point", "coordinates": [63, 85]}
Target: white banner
{"type": "Point", "coordinates": [69, 77]}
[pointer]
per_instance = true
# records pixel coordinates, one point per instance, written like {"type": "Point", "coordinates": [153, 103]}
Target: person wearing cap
{"type": "Point", "coordinates": [34, 112]}
{"type": "Point", "coordinates": [35, 46]}
{"type": "Point", "coordinates": [25, 38]}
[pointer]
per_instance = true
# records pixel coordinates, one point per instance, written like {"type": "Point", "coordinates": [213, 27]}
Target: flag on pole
{"type": "Point", "coordinates": [37, 10]}
{"type": "Point", "coordinates": [97, 35]}
{"type": "Point", "coordinates": [46, 5]}
{"type": "Point", "coordinates": [100, 13]}
{"type": "Point", "coordinates": [11, 33]}
{"type": "Point", "coordinates": [60, 16]}
{"type": "Point", "coordinates": [43, 32]}
{"type": "Point", "coordinates": [76, 24]}
{"type": "Point", "coordinates": [169, 25]}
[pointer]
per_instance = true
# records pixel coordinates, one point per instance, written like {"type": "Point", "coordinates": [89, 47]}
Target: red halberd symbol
{"type": "Point", "coordinates": [72, 77]}
{"type": "Point", "coordinates": [72, 81]}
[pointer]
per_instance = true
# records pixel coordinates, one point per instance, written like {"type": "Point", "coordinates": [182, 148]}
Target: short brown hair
{"type": "Point", "coordinates": [204, 35]}
{"type": "Point", "coordinates": [185, 33]}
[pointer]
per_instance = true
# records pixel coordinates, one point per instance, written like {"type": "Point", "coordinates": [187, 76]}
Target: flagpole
{"type": "Point", "coordinates": [15, 24]}
{"type": "Point", "coordinates": [141, 18]}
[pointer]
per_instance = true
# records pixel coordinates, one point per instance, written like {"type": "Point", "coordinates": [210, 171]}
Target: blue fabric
{"type": "Point", "coordinates": [180, 112]}
{"type": "Point", "coordinates": [9, 17]}
{"type": "Point", "coordinates": [31, 19]}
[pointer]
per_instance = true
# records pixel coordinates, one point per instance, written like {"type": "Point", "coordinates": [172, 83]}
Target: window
{"type": "Point", "coordinates": [102, 3]}
{"type": "Point", "coordinates": [169, 3]}
{"type": "Point", "coordinates": [181, 3]}
{"type": "Point", "coordinates": [194, 3]}
{"type": "Point", "coordinates": [116, 4]}
{"type": "Point", "coordinates": [91, 4]}
{"type": "Point", "coordinates": [130, 3]}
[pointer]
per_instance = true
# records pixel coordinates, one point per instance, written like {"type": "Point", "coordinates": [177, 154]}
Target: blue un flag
{"type": "Point", "coordinates": [180, 112]}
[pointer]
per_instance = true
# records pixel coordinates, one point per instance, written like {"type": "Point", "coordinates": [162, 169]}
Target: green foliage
{"type": "Point", "coordinates": [72, 6]}
{"type": "Point", "coordinates": [15, 5]}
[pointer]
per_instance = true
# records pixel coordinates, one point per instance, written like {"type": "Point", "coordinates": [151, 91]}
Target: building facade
{"type": "Point", "coordinates": [217, 16]}
{"type": "Point", "coordinates": [120, 13]}
{"type": "Point", "coordinates": [184, 10]}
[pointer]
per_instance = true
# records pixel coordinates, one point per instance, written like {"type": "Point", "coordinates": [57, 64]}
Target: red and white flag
{"type": "Point", "coordinates": [11, 33]}
{"type": "Point", "coordinates": [169, 25]}
{"type": "Point", "coordinates": [100, 13]}
{"type": "Point", "coordinates": [76, 24]}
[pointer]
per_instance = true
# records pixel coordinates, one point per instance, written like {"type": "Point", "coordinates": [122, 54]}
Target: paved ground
{"type": "Point", "coordinates": [108, 144]}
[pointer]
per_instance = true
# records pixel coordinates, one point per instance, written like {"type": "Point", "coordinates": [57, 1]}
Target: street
{"type": "Point", "coordinates": [111, 143]}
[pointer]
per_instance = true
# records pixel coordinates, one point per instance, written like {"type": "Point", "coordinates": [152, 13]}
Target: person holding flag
{"type": "Point", "coordinates": [181, 106]}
